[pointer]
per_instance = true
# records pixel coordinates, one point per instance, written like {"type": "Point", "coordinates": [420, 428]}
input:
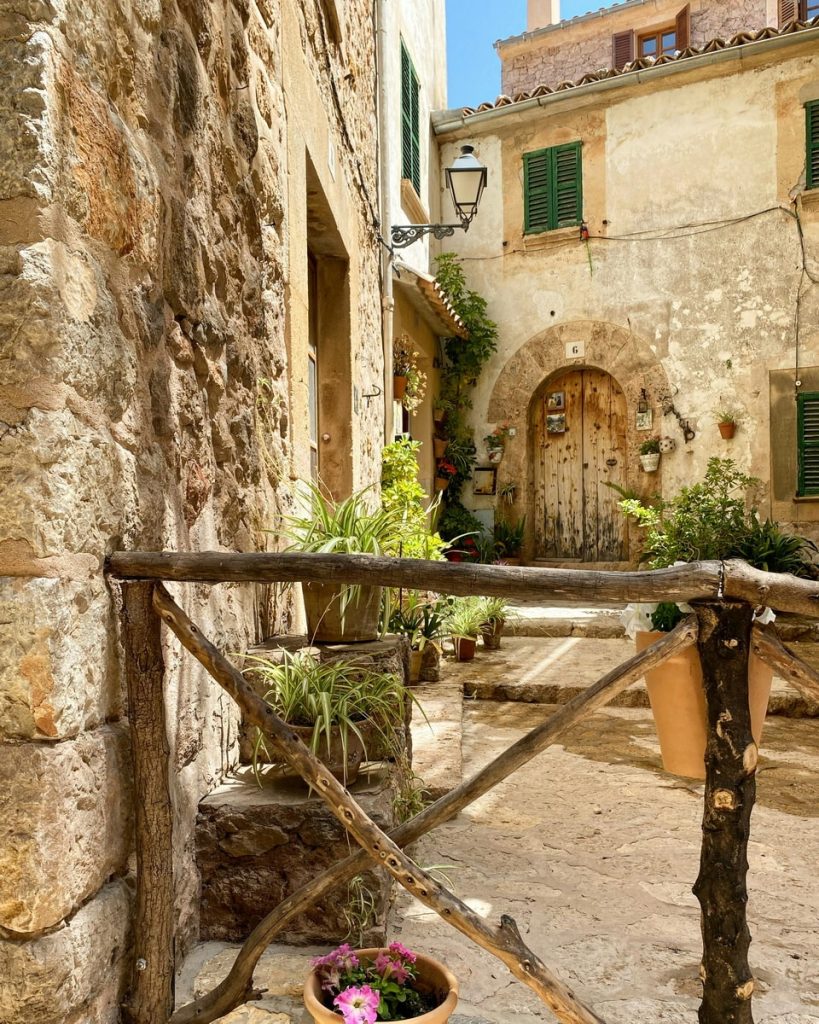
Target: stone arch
{"type": "Point", "coordinates": [612, 348]}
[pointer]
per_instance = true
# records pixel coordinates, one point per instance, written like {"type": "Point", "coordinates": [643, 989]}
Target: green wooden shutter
{"type": "Point", "coordinates": [410, 122]}
{"type": "Point", "coordinates": [808, 441]}
{"type": "Point", "coordinates": [812, 157]}
{"type": "Point", "coordinates": [567, 188]}
{"type": "Point", "coordinates": [536, 191]}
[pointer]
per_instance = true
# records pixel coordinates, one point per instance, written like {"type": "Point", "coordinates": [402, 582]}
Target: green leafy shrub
{"type": "Point", "coordinates": [403, 497]}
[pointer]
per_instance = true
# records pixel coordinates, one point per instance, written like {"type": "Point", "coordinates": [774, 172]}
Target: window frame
{"type": "Point", "coordinates": [802, 491]}
{"type": "Point", "coordinates": [811, 143]}
{"type": "Point", "coordinates": [551, 190]}
{"type": "Point", "coordinates": [657, 35]}
{"type": "Point", "coordinates": [410, 121]}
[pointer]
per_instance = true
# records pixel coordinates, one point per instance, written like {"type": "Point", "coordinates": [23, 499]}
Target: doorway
{"type": "Point", "coordinates": [579, 448]}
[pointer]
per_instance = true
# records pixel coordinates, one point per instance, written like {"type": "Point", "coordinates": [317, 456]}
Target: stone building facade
{"type": "Point", "coordinates": [549, 53]}
{"type": "Point", "coordinates": [681, 284]}
{"type": "Point", "coordinates": [186, 191]}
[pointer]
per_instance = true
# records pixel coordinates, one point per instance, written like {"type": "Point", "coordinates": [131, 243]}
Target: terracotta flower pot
{"type": "Point", "coordinates": [399, 387]}
{"type": "Point", "coordinates": [441, 483]}
{"type": "Point", "coordinates": [465, 647]}
{"type": "Point", "coordinates": [650, 463]}
{"type": "Point", "coordinates": [416, 658]}
{"type": "Point", "coordinates": [440, 445]}
{"type": "Point", "coordinates": [325, 622]}
{"type": "Point", "coordinates": [492, 633]}
{"type": "Point", "coordinates": [438, 415]}
{"type": "Point", "coordinates": [431, 977]}
{"type": "Point", "coordinates": [727, 430]}
{"type": "Point", "coordinates": [678, 703]}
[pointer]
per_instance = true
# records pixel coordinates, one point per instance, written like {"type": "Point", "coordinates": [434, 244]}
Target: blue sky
{"type": "Point", "coordinates": [472, 28]}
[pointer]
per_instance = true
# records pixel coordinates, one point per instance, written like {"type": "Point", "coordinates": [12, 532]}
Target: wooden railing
{"type": "Point", "coordinates": [724, 596]}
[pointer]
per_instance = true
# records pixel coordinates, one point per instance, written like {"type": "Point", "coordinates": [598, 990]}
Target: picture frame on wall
{"type": "Point", "coordinates": [556, 400]}
{"type": "Point", "coordinates": [645, 420]}
{"type": "Point", "coordinates": [484, 480]}
{"type": "Point", "coordinates": [556, 423]}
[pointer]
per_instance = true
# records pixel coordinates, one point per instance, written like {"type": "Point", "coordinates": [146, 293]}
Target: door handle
{"type": "Point", "coordinates": [611, 462]}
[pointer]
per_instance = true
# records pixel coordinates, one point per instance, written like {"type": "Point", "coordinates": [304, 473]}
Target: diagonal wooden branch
{"type": "Point", "coordinates": [766, 643]}
{"type": "Point", "coordinates": [237, 986]}
{"type": "Point", "coordinates": [503, 941]}
{"type": "Point", "coordinates": [694, 580]}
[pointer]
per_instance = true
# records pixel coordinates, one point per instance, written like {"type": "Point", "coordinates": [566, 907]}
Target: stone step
{"type": "Point", "coordinates": [256, 844]}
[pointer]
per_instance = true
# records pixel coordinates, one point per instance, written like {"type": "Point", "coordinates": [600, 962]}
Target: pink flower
{"type": "Point", "coordinates": [401, 951]}
{"type": "Point", "coordinates": [389, 968]}
{"type": "Point", "coordinates": [358, 1005]}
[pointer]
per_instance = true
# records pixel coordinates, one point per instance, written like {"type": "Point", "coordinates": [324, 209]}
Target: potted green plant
{"type": "Point", "coordinates": [509, 535]}
{"type": "Point", "coordinates": [727, 423]}
{"type": "Point", "coordinates": [344, 712]}
{"type": "Point", "coordinates": [439, 411]}
{"type": "Point", "coordinates": [464, 623]}
{"type": "Point", "coordinates": [495, 611]}
{"type": "Point", "coordinates": [439, 446]}
{"type": "Point", "coordinates": [367, 985]}
{"type": "Point", "coordinates": [650, 454]}
{"type": "Point", "coordinates": [422, 623]}
{"type": "Point", "coordinates": [338, 613]}
{"type": "Point", "coordinates": [712, 519]}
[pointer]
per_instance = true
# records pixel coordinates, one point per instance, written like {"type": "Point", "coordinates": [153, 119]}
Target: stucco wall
{"type": "Point", "coordinates": [571, 49]}
{"type": "Point", "coordinates": [709, 309]}
{"type": "Point", "coordinates": [153, 200]}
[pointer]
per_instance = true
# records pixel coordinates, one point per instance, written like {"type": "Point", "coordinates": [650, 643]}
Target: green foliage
{"type": "Point", "coordinates": [304, 691]}
{"type": "Point", "coordinates": [651, 446]}
{"type": "Point", "coordinates": [420, 621]}
{"type": "Point", "coordinates": [666, 616]}
{"type": "Point", "coordinates": [360, 910]}
{"type": "Point", "coordinates": [403, 497]}
{"type": "Point", "coordinates": [766, 546]}
{"type": "Point", "coordinates": [704, 521]}
{"type": "Point", "coordinates": [349, 527]}
{"type": "Point", "coordinates": [495, 609]}
{"type": "Point", "coordinates": [509, 536]}
{"type": "Point", "coordinates": [457, 522]}
{"type": "Point", "coordinates": [466, 618]}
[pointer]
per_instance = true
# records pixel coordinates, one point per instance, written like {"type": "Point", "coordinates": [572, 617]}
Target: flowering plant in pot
{"type": "Point", "coordinates": [650, 454]}
{"type": "Point", "coordinates": [345, 713]}
{"type": "Point", "coordinates": [712, 519]}
{"type": "Point", "coordinates": [364, 986]}
{"type": "Point", "coordinates": [444, 472]}
{"type": "Point", "coordinates": [403, 360]}
{"type": "Point", "coordinates": [415, 389]}
{"type": "Point", "coordinates": [340, 613]}
{"type": "Point", "coordinates": [495, 443]}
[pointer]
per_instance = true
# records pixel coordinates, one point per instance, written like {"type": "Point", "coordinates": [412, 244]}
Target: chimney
{"type": "Point", "coordinates": [542, 13]}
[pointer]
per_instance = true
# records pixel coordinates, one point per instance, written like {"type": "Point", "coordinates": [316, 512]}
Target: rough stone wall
{"type": "Point", "coordinates": [577, 49]}
{"type": "Point", "coordinates": [144, 403]}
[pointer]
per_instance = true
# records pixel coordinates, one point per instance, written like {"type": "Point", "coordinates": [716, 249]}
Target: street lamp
{"type": "Point", "coordinates": [465, 180]}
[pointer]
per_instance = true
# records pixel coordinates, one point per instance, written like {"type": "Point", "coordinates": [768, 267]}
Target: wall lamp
{"type": "Point", "coordinates": [465, 181]}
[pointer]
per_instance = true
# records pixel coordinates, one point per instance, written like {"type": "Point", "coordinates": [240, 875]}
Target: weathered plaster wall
{"type": "Point", "coordinates": [571, 49]}
{"type": "Point", "coordinates": [150, 205]}
{"type": "Point", "coordinates": [710, 309]}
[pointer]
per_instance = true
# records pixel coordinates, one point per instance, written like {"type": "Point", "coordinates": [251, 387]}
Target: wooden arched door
{"type": "Point", "coordinates": [579, 446]}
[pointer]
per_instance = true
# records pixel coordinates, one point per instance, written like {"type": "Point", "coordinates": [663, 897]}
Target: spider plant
{"type": "Point", "coordinates": [421, 623]}
{"type": "Point", "coordinates": [495, 610]}
{"type": "Point", "coordinates": [331, 694]}
{"type": "Point", "coordinates": [466, 618]}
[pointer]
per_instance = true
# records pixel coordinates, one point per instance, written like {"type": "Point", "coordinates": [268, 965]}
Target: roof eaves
{"type": "Point", "coordinates": [436, 300]}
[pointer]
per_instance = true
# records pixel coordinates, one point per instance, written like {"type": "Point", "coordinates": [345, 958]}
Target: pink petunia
{"type": "Point", "coordinates": [358, 1005]}
{"type": "Point", "coordinates": [399, 949]}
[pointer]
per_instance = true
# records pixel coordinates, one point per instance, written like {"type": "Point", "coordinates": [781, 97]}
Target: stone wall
{"type": "Point", "coordinates": [572, 49]}
{"type": "Point", "coordinates": [147, 346]}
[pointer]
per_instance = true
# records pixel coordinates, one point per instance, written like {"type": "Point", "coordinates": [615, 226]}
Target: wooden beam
{"type": "Point", "coordinates": [503, 941]}
{"type": "Point", "coordinates": [696, 580]}
{"type": "Point", "coordinates": [150, 999]}
{"type": "Point", "coordinates": [730, 789]}
{"type": "Point", "coordinates": [801, 675]}
{"type": "Point", "coordinates": [237, 986]}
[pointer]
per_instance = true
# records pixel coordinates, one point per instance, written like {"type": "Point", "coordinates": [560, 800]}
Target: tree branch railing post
{"type": "Point", "coordinates": [723, 597]}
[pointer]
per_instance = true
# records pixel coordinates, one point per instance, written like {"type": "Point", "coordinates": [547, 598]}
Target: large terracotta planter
{"type": "Point", "coordinates": [678, 704]}
{"type": "Point", "coordinates": [325, 623]}
{"type": "Point", "coordinates": [465, 647]}
{"type": "Point", "coordinates": [432, 977]}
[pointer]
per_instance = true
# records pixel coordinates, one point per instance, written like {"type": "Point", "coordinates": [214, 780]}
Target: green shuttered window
{"type": "Point", "coordinates": [553, 188]}
{"type": "Point", "coordinates": [410, 122]}
{"type": "Point", "coordinates": [808, 440]}
{"type": "Point", "coordinates": [812, 119]}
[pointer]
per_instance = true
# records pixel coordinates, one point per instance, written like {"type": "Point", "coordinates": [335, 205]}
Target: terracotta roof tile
{"type": "Point", "coordinates": [643, 63]}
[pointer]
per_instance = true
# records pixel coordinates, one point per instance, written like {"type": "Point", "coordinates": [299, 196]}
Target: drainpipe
{"type": "Point", "coordinates": [384, 152]}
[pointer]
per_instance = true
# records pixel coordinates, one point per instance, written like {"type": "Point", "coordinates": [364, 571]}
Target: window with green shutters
{"type": "Point", "coordinates": [410, 122]}
{"type": "Point", "coordinates": [553, 188]}
{"type": "Point", "coordinates": [807, 432]}
{"type": "Point", "coordinates": [812, 119]}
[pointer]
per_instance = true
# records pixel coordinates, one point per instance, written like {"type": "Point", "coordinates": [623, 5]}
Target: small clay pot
{"type": "Point", "coordinates": [465, 647]}
{"type": "Point", "coordinates": [399, 387]}
{"type": "Point", "coordinates": [441, 483]}
{"type": "Point", "coordinates": [650, 463]}
{"type": "Point", "coordinates": [727, 430]}
{"type": "Point", "coordinates": [492, 633]}
{"type": "Point", "coordinates": [494, 455]}
{"type": "Point", "coordinates": [440, 445]}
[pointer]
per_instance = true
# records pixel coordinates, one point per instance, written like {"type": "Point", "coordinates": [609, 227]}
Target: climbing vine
{"type": "Point", "coordinates": [464, 358]}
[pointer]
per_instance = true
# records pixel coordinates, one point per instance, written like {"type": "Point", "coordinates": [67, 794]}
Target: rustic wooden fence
{"type": "Point", "coordinates": [724, 596]}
